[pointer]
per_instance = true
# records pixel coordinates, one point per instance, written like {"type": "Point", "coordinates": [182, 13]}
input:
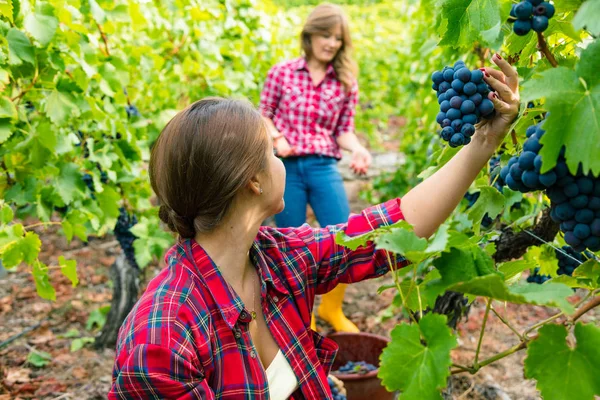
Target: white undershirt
{"type": "Point", "coordinates": [281, 378]}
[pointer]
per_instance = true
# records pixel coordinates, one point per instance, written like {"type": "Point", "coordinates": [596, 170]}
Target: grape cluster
{"type": "Point", "coordinates": [535, 277]}
{"type": "Point", "coordinates": [575, 199]}
{"type": "Point", "coordinates": [335, 391]}
{"type": "Point", "coordinates": [522, 173]}
{"type": "Point", "coordinates": [89, 182]}
{"type": "Point", "coordinates": [124, 236]}
{"type": "Point", "coordinates": [462, 96]}
{"type": "Point", "coordinates": [566, 264]}
{"type": "Point", "coordinates": [132, 111]}
{"type": "Point", "coordinates": [530, 15]}
{"type": "Point", "coordinates": [356, 367]}
{"type": "Point", "coordinates": [568, 260]}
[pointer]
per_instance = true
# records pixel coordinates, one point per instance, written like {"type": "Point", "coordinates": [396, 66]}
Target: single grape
{"type": "Point", "coordinates": [486, 107]}
{"type": "Point", "coordinates": [470, 119]}
{"type": "Point", "coordinates": [458, 85]}
{"type": "Point", "coordinates": [521, 28]}
{"type": "Point", "coordinates": [467, 107]}
{"type": "Point", "coordinates": [456, 102]}
{"type": "Point", "coordinates": [539, 23]}
{"type": "Point", "coordinates": [453, 114]}
{"type": "Point", "coordinates": [523, 10]}
{"type": "Point", "coordinates": [548, 179]}
{"type": "Point", "coordinates": [470, 88]}
{"type": "Point", "coordinates": [468, 130]}
{"type": "Point", "coordinates": [581, 231]}
{"type": "Point", "coordinates": [457, 140]}
{"type": "Point", "coordinates": [448, 75]}
{"type": "Point", "coordinates": [447, 133]}
{"type": "Point", "coordinates": [437, 77]}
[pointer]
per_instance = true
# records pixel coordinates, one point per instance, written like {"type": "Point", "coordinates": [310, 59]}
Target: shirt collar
{"type": "Point", "coordinates": [300, 64]}
{"type": "Point", "coordinates": [229, 303]}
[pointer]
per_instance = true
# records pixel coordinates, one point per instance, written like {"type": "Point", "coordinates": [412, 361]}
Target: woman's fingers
{"type": "Point", "coordinates": [501, 106]}
{"type": "Point", "coordinates": [511, 78]}
{"type": "Point", "coordinates": [504, 91]}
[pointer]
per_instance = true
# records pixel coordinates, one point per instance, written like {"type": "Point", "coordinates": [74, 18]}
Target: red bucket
{"type": "Point", "coordinates": [361, 347]}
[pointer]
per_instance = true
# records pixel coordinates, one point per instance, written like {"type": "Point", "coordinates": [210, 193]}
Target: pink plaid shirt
{"type": "Point", "coordinates": [187, 337]}
{"type": "Point", "coordinates": [310, 117]}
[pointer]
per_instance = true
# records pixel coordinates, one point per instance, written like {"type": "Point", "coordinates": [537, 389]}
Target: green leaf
{"type": "Point", "coordinates": [466, 19]}
{"type": "Point", "coordinates": [588, 17]}
{"type": "Point", "coordinates": [405, 242]}
{"type": "Point", "coordinates": [543, 257]}
{"type": "Point", "coordinates": [6, 9]}
{"type": "Point", "coordinates": [143, 256]}
{"type": "Point", "coordinates": [574, 107]}
{"type": "Point", "coordinates": [7, 108]}
{"type": "Point", "coordinates": [42, 282]}
{"type": "Point", "coordinates": [97, 318]}
{"type": "Point", "coordinates": [38, 358]}
{"type": "Point", "coordinates": [6, 214]}
{"type": "Point", "coordinates": [417, 360]}
{"type": "Point", "coordinates": [5, 130]}
{"type": "Point", "coordinates": [513, 269]}
{"type": "Point", "coordinates": [19, 47]}
{"type": "Point", "coordinates": [461, 265]}
{"type": "Point", "coordinates": [67, 230]}
{"type": "Point", "coordinates": [490, 202]}
{"type": "Point", "coordinates": [24, 248]}
{"type": "Point", "coordinates": [549, 294]}
{"type": "Point", "coordinates": [590, 272]}
{"type": "Point", "coordinates": [97, 12]}
{"type": "Point", "coordinates": [79, 343]}
{"type": "Point", "coordinates": [59, 106]}
{"type": "Point", "coordinates": [41, 27]}
{"type": "Point", "coordinates": [69, 269]}
{"type": "Point", "coordinates": [68, 181]}
{"type": "Point", "coordinates": [570, 373]}
{"type": "Point", "coordinates": [108, 200]}
{"type": "Point", "coordinates": [587, 67]}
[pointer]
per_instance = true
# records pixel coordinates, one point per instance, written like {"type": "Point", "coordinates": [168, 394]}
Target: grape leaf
{"type": "Point", "coordinates": [590, 272]}
{"type": "Point", "coordinates": [24, 248]}
{"type": "Point", "coordinates": [69, 269]}
{"type": "Point", "coordinates": [404, 241]}
{"type": "Point", "coordinates": [574, 106]}
{"type": "Point", "coordinates": [570, 373]}
{"type": "Point", "coordinates": [68, 182]}
{"type": "Point", "coordinates": [513, 269]}
{"type": "Point", "coordinates": [418, 369]}
{"type": "Point", "coordinates": [490, 202]}
{"type": "Point", "coordinates": [42, 281]}
{"type": "Point", "coordinates": [588, 17]}
{"type": "Point", "coordinates": [5, 130]}
{"type": "Point", "coordinates": [39, 358]}
{"type": "Point", "coordinates": [41, 27]}
{"type": "Point", "coordinates": [59, 106]}
{"type": "Point", "coordinates": [467, 19]}
{"type": "Point", "coordinates": [7, 108]}
{"type": "Point", "coordinates": [19, 48]}
{"type": "Point", "coordinates": [6, 214]}
{"type": "Point", "coordinates": [493, 285]}
{"type": "Point", "coordinates": [6, 10]}
{"type": "Point", "coordinates": [543, 257]}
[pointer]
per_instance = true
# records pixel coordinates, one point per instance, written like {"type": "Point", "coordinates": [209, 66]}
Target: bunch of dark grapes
{"type": "Point", "coordinates": [89, 182]}
{"type": "Point", "coordinates": [575, 199]}
{"type": "Point", "coordinates": [568, 260]}
{"type": "Point", "coordinates": [535, 277]}
{"type": "Point", "coordinates": [124, 236]}
{"type": "Point", "coordinates": [575, 202]}
{"type": "Point", "coordinates": [132, 111]}
{"type": "Point", "coordinates": [496, 181]}
{"type": "Point", "coordinates": [530, 15]}
{"type": "Point", "coordinates": [571, 260]}
{"type": "Point", "coordinates": [356, 367]}
{"type": "Point", "coordinates": [462, 95]}
{"type": "Point", "coordinates": [335, 391]}
{"type": "Point", "coordinates": [522, 173]}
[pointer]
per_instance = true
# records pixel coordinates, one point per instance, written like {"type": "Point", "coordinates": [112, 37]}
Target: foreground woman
{"type": "Point", "coordinates": [229, 317]}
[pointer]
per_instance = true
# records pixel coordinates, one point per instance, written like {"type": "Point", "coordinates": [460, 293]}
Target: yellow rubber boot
{"type": "Point", "coordinates": [313, 322]}
{"type": "Point", "coordinates": [330, 310]}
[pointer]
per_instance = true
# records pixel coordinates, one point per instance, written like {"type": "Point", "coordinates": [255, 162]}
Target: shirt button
{"type": "Point", "coordinates": [237, 334]}
{"type": "Point", "coordinates": [276, 299]}
{"type": "Point", "coordinates": [253, 354]}
{"type": "Point", "coordinates": [243, 315]}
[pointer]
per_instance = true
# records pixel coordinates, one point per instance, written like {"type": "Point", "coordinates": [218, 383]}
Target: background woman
{"type": "Point", "coordinates": [309, 103]}
{"type": "Point", "coordinates": [229, 316]}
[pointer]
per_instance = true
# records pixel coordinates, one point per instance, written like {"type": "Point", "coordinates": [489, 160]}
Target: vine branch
{"type": "Point", "coordinates": [104, 39]}
{"type": "Point", "coordinates": [485, 318]}
{"type": "Point", "coordinates": [595, 302]}
{"type": "Point", "coordinates": [543, 48]}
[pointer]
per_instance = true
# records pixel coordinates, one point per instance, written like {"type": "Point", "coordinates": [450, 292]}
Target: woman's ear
{"type": "Point", "coordinates": [254, 186]}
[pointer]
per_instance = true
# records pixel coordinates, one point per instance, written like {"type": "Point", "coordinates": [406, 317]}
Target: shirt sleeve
{"type": "Point", "coordinates": [270, 95]}
{"type": "Point", "coordinates": [335, 263]}
{"type": "Point", "coordinates": [156, 372]}
{"type": "Point", "coordinates": [346, 120]}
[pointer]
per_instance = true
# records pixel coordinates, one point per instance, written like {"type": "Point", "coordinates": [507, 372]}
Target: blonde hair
{"type": "Point", "coordinates": [204, 156]}
{"type": "Point", "coordinates": [322, 19]}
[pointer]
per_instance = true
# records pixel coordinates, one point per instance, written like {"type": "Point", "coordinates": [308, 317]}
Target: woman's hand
{"type": "Point", "coordinates": [361, 160]}
{"type": "Point", "coordinates": [282, 147]}
{"type": "Point", "coordinates": [506, 102]}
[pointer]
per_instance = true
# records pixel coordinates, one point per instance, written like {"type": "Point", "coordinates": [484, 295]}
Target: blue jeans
{"type": "Point", "coordinates": [313, 180]}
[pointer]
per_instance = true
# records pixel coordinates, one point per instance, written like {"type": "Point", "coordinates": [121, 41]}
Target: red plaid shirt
{"type": "Point", "coordinates": [310, 117]}
{"type": "Point", "coordinates": [187, 336]}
